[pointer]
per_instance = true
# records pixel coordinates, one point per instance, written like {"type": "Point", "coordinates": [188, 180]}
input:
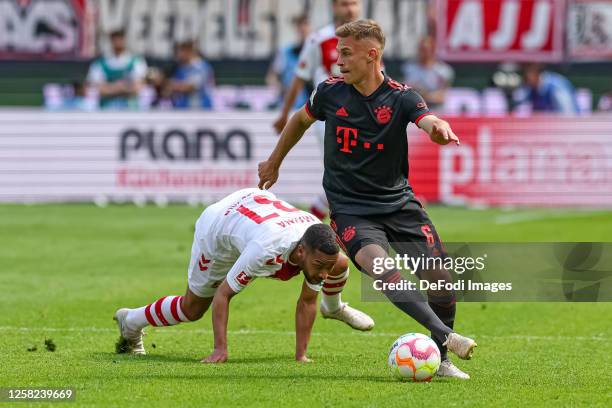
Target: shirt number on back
{"type": "Point", "coordinates": [278, 204]}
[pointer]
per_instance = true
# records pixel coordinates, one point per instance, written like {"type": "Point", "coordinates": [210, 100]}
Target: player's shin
{"type": "Point", "coordinates": [445, 308]}
{"type": "Point", "coordinates": [413, 304]}
{"type": "Point", "coordinates": [167, 311]}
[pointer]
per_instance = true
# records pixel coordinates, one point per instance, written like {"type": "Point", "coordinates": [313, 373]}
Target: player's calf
{"type": "Point", "coordinates": [166, 311]}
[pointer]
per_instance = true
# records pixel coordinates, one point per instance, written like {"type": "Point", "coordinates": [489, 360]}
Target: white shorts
{"type": "Point", "coordinates": [206, 270]}
{"type": "Point", "coordinates": [205, 273]}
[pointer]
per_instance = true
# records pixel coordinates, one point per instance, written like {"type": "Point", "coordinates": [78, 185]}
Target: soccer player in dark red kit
{"type": "Point", "coordinates": [372, 204]}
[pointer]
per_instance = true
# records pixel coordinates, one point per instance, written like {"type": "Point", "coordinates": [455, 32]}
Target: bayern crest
{"type": "Point", "coordinates": [383, 114]}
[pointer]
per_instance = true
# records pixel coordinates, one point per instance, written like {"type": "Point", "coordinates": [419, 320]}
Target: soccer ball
{"type": "Point", "coordinates": [414, 357]}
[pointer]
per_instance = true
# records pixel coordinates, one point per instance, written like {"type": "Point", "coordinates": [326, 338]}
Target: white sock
{"type": "Point", "coordinates": [166, 311]}
{"type": "Point", "coordinates": [332, 291]}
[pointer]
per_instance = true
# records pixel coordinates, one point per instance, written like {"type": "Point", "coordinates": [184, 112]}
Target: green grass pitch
{"type": "Point", "coordinates": [65, 269]}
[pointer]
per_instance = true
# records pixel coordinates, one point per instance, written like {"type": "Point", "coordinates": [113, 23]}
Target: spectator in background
{"type": "Point", "coordinates": [548, 91]}
{"type": "Point", "coordinates": [281, 71]}
{"type": "Point", "coordinates": [605, 102]}
{"type": "Point", "coordinates": [118, 77]}
{"type": "Point", "coordinates": [190, 85]}
{"type": "Point", "coordinates": [428, 76]}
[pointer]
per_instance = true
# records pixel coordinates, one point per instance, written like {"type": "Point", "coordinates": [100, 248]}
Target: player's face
{"type": "Point", "coordinates": [532, 77]}
{"type": "Point", "coordinates": [354, 59]}
{"type": "Point", "coordinates": [346, 11]}
{"type": "Point", "coordinates": [303, 29]}
{"type": "Point", "coordinates": [317, 265]}
{"type": "Point", "coordinates": [118, 43]}
{"type": "Point", "coordinates": [183, 54]}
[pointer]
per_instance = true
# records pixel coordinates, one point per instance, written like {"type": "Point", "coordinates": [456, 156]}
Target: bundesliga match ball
{"type": "Point", "coordinates": [414, 357]}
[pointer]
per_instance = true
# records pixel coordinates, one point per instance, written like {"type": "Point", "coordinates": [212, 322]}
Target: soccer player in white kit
{"type": "Point", "coordinates": [317, 62]}
{"type": "Point", "coordinates": [246, 235]}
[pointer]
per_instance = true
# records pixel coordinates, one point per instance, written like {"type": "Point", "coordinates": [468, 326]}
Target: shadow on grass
{"type": "Point", "coordinates": [218, 375]}
{"type": "Point", "coordinates": [175, 358]}
{"type": "Point", "coordinates": [128, 358]}
{"type": "Point", "coordinates": [227, 371]}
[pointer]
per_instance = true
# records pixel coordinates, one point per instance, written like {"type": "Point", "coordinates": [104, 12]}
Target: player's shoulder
{"type": "Point", "coordinates": [332, 83]}
{"type": "Point", "coordinates": [322, 34]}
{"type": "Point", "coordinates": [331, 86]}
{"type": "Point", "coordinates": [405, 92]}
{"type": "Point", "coordinates": [398, 86]}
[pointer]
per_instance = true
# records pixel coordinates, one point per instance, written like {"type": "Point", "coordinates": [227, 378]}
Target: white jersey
{"type": "Point", "coordinates": [249, 234]}
{"type": "Point", "coordinates": [318, 58]}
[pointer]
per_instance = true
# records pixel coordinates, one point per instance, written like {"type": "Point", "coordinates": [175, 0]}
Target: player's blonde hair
{"type": "Point", "coordinates": [361, 30]}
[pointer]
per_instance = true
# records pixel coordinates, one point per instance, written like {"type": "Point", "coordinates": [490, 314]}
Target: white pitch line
{"type": "Point", "coordinates": [289, 333]}
{"type": "Point", "coordinates": [527, 216]}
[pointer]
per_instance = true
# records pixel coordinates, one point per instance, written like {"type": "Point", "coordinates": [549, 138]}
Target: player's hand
{"type": "Point", "coordinates": [442, 133]}
{"type": "Point", "coordinates": [303, 359]}
{"type": "Point", "coordinates": [279, 124]}
{"type": "Point", "coordinates": [218, 356]}
{"type": "Point", "coordinates": [268, 174]}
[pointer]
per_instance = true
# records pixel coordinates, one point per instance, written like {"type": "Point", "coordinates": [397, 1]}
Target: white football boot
{"type": "Point", "coordinates": [462, 346]}
{"type": "Point", "coordinates": [351, 316]}
{"type": "Point", "coordinates": [448, 369]}
{"type": "Point", "coordinates": [130, 340]}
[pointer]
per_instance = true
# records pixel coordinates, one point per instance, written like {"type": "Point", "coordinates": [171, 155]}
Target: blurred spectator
{"type": "Point", "coordinates": [155, 80]}
{"type": "Point", "coordinates": [428, 76]}
{"type": "Point", "coordinates": [118, 77]}
{"type": "Point", "coordinates": [281, 71]}
{"type": "Point", "coordinates": [548, 91]}
{"type": "Point", "coordinates": [605, 102]}
{"type": "Point", "coordinates": [191, 83]}
{"type": "Point", "coordinates": [79, 99]}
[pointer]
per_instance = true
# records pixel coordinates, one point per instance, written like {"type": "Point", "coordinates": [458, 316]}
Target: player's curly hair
{"type": "Point", "coordinates": [361, 30]}
{"type": "Point", "coordinates": [321, 237]}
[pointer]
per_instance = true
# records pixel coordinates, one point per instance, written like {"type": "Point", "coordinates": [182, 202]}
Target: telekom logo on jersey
{"type": "Point", "coordinates": [348, 137]}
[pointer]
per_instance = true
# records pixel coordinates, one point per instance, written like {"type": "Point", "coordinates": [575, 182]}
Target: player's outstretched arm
{"type": "Point", "coordinates": [296, 87]}
{"type": "Point", "coordinates": [305, 314]}
{"type": "Point", "coordinates": [220, 315]}
{"type": "Point", "coordinates": [439, 130]}
{"type": "Point", "coordinates": [292, 133]}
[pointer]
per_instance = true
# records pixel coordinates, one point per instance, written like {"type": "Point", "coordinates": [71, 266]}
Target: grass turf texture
{"type": "Point", "coordinates": [66, 269]}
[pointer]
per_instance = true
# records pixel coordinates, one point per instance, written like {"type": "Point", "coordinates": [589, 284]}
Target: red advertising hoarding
{"type": "Point", "coordinates": [500, 30]}
{"type": "Point", "coordinates": [536, 161]}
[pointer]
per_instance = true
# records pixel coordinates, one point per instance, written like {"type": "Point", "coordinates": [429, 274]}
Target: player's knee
{"type": "Point", "coordinates": [341, 265]}
{"type": "Point", "coordinates": [193, 313]}
{"type": "Point", "coordinates": [194, 307]}
{"type": "Point", "coordinates": [369, 258]}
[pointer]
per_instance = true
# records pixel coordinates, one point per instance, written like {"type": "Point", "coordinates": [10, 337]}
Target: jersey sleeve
{"type": "Point", "coordinates": [245, 268]}
{"type": "Point", "coordinates": [314, 105]}
{"type": "Point", "coordinates": [414, 106]}
{"type": "Point", "coordinates": [307, 61]}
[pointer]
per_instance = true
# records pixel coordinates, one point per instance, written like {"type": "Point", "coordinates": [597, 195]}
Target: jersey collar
{"type": "Point", "coordinates": [382, 87]}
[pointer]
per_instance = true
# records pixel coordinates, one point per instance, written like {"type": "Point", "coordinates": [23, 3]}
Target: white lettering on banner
{"type": "Point", "coordinates": [540, 24]}
{"type": "Point", "coordinates": [502, 39]}
{"type": "Point", "coordinates": [482, 30]}
{"type": "Point", "coordinates": [462, 157]}
{"type": "Point", "coordinates": [43, 26]}
{"type": "Point", "coordinates": [517, 167]}
{"type": "Point", "coordinates": [252, 29]}
{"type": "Point", "coordinates": [467, 29]}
